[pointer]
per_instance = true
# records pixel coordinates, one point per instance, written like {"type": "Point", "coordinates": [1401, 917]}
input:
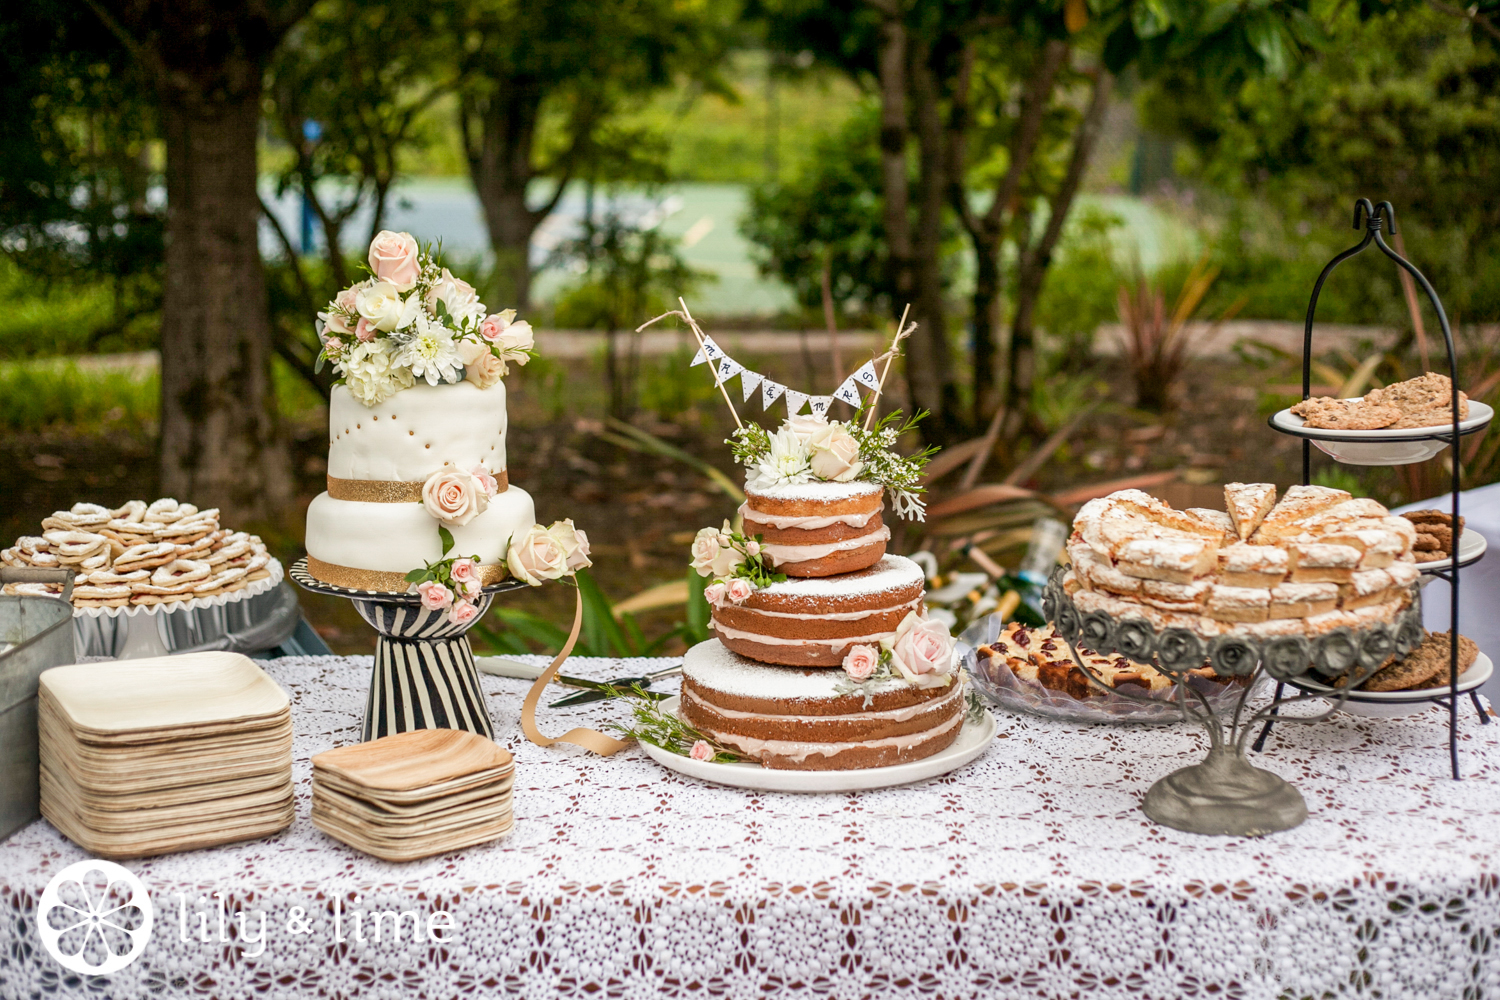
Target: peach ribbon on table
{"type": "Point", "coordinates": [590, 739]}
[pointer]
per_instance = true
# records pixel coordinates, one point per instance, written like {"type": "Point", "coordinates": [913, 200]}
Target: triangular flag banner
{"type": "Point", "coordinates": [770, 392]}
{"type": "Point", "coordinates": [711, 350]}
{"type": "Point", "coordinates": [794, 402]}
{"type": "Point", "coordinates": [749, 382]}
{"type": "Point", "coordinates": [866, 376]}
{"type": "Point", "coordinates": [729, 368]}
{"type": "Point", "coordinates": [698, 358]}
{"type": "Point", "coordinates": [820, 405]}
{"type": "Point", "coordinates": [848, 392]}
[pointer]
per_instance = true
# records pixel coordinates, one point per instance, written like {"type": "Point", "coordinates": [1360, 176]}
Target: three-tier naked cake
{"type": "Point", "coordinates": [418, 491]}
{"type": "Point", "coordinates": [824, 658]}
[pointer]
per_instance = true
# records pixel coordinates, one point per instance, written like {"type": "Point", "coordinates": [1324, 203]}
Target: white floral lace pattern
{"type": "Point", "coordinates": [1030, 873]}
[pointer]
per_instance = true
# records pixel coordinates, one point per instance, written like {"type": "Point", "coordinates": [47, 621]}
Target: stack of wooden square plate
{"type": "Point", "coordinates": [150, 756]}
{"type": "Point", "coordinates": [412, 795]}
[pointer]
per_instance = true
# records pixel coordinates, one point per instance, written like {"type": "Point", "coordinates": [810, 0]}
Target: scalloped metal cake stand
{"type": "Point", "coordinates": [1226, 794]}
{"type": "Point", "coordinates": [424, 675]}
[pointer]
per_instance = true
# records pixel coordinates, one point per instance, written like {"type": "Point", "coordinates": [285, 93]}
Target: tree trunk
{"type": "Point", "coordinates": [220, 441]}
{"type": "Point", "coordinates": [1034, 258]}
{"type": "Point", "coordinates": [500, 164]}
{"type": "Point", "coordinates": [929, 365]}
{"type": "Point", "coordinates": [893, 180]}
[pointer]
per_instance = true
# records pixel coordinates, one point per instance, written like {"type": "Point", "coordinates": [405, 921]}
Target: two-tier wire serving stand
{"type": "Point", "coordinates": [1395, 448]}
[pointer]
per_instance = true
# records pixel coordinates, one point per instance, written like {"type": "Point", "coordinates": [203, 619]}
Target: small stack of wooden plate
{"type": "Point", "coordinates": [150, 756]}
{"type": "Point", "coordinates": [413, 795]}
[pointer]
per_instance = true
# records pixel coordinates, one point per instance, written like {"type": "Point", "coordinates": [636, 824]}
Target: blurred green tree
{"type": "Point", "coordinates": [541, 86]}
{"type": "Point", "coordinates": [221, 442]}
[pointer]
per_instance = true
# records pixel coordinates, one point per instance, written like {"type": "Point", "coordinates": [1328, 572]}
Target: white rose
{"type": "Point", "coordinates": [921, 651]}
{"type": "Point", "coordinates": [383, 306]}
{"type": "Point", "coordinates": [454, 496]}
{"type": "Point", "coordinates": [574, 543]}
{"type": "Point", "coordinates": [536, 557]}
{"type": "Point", "coordinates": [705, 550]}
{"type": "Point", "coordinates": [835, 454]}
{"type": "Point", "coordinates": [805, 425]}
{"type": "Point", "coordinates": [485, 370]}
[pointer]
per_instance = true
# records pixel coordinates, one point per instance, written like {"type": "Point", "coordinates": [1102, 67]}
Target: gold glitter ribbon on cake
{"type": "Point", "coordinates": [590, 739]}
{"type": "Point", "coordinates": [382, 581]}
{"type": "Point", "coordinates": [388, 490]}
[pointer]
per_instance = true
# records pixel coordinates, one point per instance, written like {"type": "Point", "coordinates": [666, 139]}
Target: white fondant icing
{"type": "Point", "coordinates": [416, 432]}
{"type": "Point", "coordinates": [779, 554]}
{"type": "Point", "coordinates": [799, 750]}
{"type": "Point", "coordinates": [890, 573]}
{"type": "Point", "coordinates": [400, 537]}
{"type": "Point", "coordinates": [806, 523]}
{"type": "Point", "coordinates": [716, 668]}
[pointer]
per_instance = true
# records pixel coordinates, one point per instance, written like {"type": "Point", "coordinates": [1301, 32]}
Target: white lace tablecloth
{"type": "Point", "coordinates": [1030, 873]}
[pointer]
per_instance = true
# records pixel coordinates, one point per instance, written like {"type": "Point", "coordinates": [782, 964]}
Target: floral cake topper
{"type": "Point", "coordinates": [412, 319]}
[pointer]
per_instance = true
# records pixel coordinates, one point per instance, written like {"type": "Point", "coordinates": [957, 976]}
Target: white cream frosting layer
{"type": "Point", "coordinates": [771, 640]}
{"type": "Point", "coordinates": [806, 523]}
{"type": "Point", "coordinates": [400, 537]}
{"type": "Point", "coordinates": [416, 432]}
{"type": "Point", "coordinates": [779, 554]}
{"type": "Point", "coordinates": [799, 751]}
{"type": "Point", "coordinates": [889, 715]}
{"type": "Point", "coordinates": [841, 616]}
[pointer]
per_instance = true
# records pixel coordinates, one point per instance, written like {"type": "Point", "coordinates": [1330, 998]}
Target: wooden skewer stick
{"type": "Point", "coordinates": [712, 361]}
{"type": "Point", "coordinates": [901, 333]}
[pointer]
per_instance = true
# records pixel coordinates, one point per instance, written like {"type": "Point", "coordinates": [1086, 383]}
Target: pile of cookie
{"type": "Point", "coordinates": [140, 554]}
{"type": "Point", "coordinates": [1434, 534]}
{"type": "Point", "coordinates": [1424, 667]}
{"type": "Point", "coordinates": [1425, 401]}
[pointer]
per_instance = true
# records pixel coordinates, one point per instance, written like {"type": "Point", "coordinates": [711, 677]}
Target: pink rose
{"type": "Point", "coordinates": [921, 647]}
{"type": "Point", "coordinates": [462, 613]}
{"type": "Point", "coordinates": [714, 594]}
{"type": "Point", "coordinates": [739, 590]}
{"type": "Point", "coordinates": [536, 557]}
{"type": "Point", "coordinates": [454, 497]}
{"type": "Point", "coordinates": [513, 339]}
{"type": "Point", "coordinates": [333, 345]}
{"type": "Point", "coordinates": [574, 543]}
{"type": "Point", "coordinates": [393, 258]}
{"type": "Point", "coordinates": [464, 571]}
{"type": "Point", "coordinates": [435, 596]}
{"type": "Point", "coordinates": [860, 662]}
{"type": "Point", "coordinates": [347, 299]}
{"type": "Point", "coordinates": [483, 477]}
{"type": "Point", "coordinates": [701, 751]}
{"type": "Point", "coordinates": [364, 330]}
{"type": "Point", "coordinates": [335, 323]}
{"type": "Point", "coordinates": [835, 454]}
{"type": "Point", "coordinates": [484, 371]}
{"type": "Point", "coordinates": [752, 548]}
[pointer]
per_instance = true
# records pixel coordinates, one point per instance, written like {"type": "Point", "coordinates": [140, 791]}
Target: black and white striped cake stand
{"type": "Point", "coordinates": [424, 675]}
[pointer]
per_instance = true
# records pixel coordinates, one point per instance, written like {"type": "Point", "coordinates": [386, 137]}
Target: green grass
{"type": "Point", "coordinates": [45, 319]}
{"type": "Point", "coordinates": [38, 395]}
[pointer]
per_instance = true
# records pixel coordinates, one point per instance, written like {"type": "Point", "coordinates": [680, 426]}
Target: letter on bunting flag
{"type": "Point", "coordinates": [708, 352]}
{"type": "Point", "coordinates": [728, 368]}
{"type": "Point", "coordinates": [820, 405]}
{"type": "Point", "coordinates": [848, 392]}
{"type": "Point", "coordinates": [770, 391]}
{"type": "Point", "coordinates": [749, 380]}
{"type": "Point", "coordinates": [866, 375]}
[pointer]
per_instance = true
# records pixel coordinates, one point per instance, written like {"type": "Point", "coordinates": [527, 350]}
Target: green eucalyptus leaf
{"type": "Point", "coordinates": [446, 537]}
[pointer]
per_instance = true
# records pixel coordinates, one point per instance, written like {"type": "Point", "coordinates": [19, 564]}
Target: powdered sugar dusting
{"type": "Point", "coordinates": [816, 491]}
{"type": "Point", "coordinates": [890, 573]}
{"type": "Point", "coordinates": [716, 668]}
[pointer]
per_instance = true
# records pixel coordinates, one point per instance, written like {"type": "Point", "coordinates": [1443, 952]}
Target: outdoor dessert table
{"type": "Point", "coordinates": [1030, 872]}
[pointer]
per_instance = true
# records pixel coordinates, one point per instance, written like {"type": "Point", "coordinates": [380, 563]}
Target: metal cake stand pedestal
{"type": "Point", "coordinates": [424, 675]}
{"type": "Point", "coordinates": [1226, 794]}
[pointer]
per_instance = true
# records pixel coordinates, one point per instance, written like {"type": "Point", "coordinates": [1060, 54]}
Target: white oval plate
{"type": "Point", "coordinates": [1390, 704]}
{"type": "Point", "coordinates": [973, 739]}
{"type": "Point", "coordinates": [1377, 447]}
{"type": "Point", "coordinates": [1471, 548]}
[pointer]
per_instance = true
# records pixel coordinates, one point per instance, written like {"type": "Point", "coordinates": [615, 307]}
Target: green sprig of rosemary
{"type": "Point", "coordinates": [661, 729]}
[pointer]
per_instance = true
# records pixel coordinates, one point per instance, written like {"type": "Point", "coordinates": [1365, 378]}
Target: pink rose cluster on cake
{"type": "Point", "coordinates": [417, 476]}
{"type": "Point", "coordinates": [823, 657]}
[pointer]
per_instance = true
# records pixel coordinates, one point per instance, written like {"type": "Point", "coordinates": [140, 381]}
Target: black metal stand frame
{"type": "Point", "coordinates": [1373, 219]}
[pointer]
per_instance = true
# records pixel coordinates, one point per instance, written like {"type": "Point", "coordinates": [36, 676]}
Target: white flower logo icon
{"type": "Point", "coordinates": [94, 917]}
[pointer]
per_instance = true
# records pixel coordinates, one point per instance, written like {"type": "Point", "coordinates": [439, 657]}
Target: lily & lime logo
{"type": "Point", "coordinates": [94, 918]}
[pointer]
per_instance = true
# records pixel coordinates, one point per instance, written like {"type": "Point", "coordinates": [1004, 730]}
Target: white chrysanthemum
{"type": "Point", "coordinates": [785, 464]}
{"type": "Point", "coordinates": [372, 374]}
{"type": "Point", "coordinates": [431, 353]}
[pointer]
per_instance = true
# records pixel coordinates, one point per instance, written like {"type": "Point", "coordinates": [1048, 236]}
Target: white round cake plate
{"type": "Point", "coordinates": [1471, 548]}
{"type": "Point", "coordinates": [1394, 704]}
{"type": "Point", "coordinates": [1384, 446]}
{"type": "Point", "coordinates": [973, 739]}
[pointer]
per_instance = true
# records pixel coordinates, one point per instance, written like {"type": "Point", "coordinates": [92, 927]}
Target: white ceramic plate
{"type": "Point", "coordinates": [973, 739]}
{"type": "Point", "coordinates": [1471, 548]}
{"type": "Point", "coordinates": [1391, 704]}
{"type": "Point", "coordinates": [1383, 447]}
